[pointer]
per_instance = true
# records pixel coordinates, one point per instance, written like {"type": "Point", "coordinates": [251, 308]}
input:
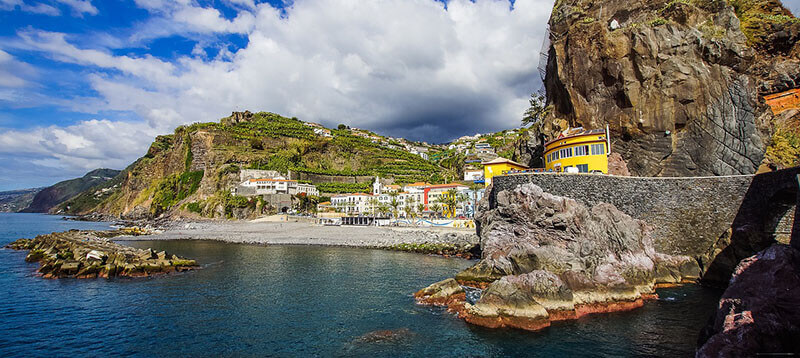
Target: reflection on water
{"type": "Point", "coordinates": [302, 301]}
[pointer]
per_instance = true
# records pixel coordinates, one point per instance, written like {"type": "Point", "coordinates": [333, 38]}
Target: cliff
{"type": "Point", "coordinates": [679, 82]}
{"type": "Point", "coordinates": [52, 196]}
{"type": "Point", "coordinates": [16, 200]}
{"type": "Point", "coordinates": [190, 172]}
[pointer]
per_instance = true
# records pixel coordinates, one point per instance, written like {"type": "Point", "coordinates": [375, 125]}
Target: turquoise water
{"type": "Point", "coordinates": [296, 301]}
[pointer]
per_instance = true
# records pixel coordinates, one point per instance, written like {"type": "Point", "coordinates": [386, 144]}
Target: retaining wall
{"type": "Point", "coordinates": [689, 215]}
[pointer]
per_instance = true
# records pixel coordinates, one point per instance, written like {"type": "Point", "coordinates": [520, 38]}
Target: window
{"type": "Point", "coordinates": [598, 149]}
{"type": "Point", "coordinates": [581, 150]}
{"type": "Point", "coordinates": [583, 168]}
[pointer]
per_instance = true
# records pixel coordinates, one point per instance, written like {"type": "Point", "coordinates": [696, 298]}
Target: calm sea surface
{"type": "Point", "coordinates": [296, 301]}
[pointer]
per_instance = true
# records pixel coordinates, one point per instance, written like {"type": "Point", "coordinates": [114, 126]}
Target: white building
{"type": "Point", "coordinates": [277, 185]}
{"type": "Point", "coordinates": [473, 175]}
{"type": "Point", "coordinates": [353, 204]}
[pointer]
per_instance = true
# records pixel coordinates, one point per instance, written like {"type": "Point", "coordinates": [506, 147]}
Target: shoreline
{"type": "Point", "coordinates": [431, 240]}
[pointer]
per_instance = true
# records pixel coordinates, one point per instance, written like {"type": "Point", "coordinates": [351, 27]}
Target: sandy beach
{"type": "Point", "coordinates": [298, 233]}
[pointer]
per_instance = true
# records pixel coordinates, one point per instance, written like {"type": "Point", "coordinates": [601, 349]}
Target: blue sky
{"type": "Point", "coordinates": [88, 83]}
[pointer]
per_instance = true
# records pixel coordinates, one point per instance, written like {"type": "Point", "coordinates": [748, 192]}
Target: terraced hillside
{"type": "Point", "coordinates": [201, 162]}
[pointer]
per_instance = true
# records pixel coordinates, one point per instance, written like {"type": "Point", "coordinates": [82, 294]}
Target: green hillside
{"type": "Point", "coordinates": [201, 162]}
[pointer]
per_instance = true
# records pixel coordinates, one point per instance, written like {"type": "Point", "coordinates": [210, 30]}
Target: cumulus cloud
{"type": "Point", "coordinates": [408, 68]}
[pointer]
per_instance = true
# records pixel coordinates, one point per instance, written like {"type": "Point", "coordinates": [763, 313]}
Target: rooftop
{"type": "Point", "coordinates": [501, 160]}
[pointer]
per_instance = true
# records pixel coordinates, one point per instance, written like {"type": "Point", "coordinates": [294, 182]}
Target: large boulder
{"type": "Point", "coordinates": [759, 313]}
{"type": "Point", "coordinates": [547, 258]}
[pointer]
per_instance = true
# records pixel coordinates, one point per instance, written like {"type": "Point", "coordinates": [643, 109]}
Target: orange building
{"type": "Point", "coordinates": [780, 102]}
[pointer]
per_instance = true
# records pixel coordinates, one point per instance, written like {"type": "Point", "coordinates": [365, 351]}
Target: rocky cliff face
{"type": "Point", "coordinates": [548, 258]}
{"type": "Point", "coordinates": [758, 313]}
{"type": "Point", "coordinates": [677, 81]}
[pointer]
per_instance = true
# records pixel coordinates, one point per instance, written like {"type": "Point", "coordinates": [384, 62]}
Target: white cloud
{"type": "Point", "coordinates": [80, 7]}
{"type": "Point", "coordinates": [12, 72]}
{"type": "Point", "coordinates": [39, 8]}
{"type": "Point", "coordinates": [402, 67]}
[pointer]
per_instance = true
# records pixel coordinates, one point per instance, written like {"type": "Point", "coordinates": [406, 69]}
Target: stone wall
{"type": "Point", "coordinates": [690, 216]}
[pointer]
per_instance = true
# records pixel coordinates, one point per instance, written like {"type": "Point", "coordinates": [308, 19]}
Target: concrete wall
{"type": "Point", "coordinates": [690, 216]}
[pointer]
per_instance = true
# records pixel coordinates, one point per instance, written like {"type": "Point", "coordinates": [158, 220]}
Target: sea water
{"type": "Point", "coordinates": [297, 301]}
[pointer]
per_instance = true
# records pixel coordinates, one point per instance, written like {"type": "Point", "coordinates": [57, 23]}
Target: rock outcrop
{"type": "Point", "coordinates": [759, 312]}
{"type": "Point", "coordinates": [677, 81]}
{"type": "Point", "coordinates": [548, 258]}
{"type": "Point", "coordinates": [90, 254]}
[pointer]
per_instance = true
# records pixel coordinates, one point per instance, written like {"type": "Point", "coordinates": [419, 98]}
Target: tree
{"type": "Point", "coordinates": [420, 208]}
{"type": "Point", "coordinates": [256, 144]}
{"type": "Point", "coordinates": [373, 206]}
{"type": "Point", "coordinates": [450, 201]}
{"type": "Point", "coordinates": [437, 208]}
{"type": "Point", "coordinates": [537, 111]}
{"type": "Point", "coordinates": [342, 126]}
{"type": "Point", "coordinates": [409, 208]}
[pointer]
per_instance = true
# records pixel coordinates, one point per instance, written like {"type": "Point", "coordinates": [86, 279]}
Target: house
{"type": "Point", "coordinates": [353, 204]}
{"type": "Point", "coordinates": [780, 102]}
{"type": "Point", "coordinates": [276, 185]}
{"type": "Point", "coordinates": [322, 132]}
{"type": "Point", "coordinates": [499, 166]}
{"type": "Point", "coordinates": [473, 175]}
{"type": "Point", "coordinates": [578, 150]}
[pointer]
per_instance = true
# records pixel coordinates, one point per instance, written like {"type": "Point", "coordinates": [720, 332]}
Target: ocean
{"type": "Point", "coordinates": [297, 301]}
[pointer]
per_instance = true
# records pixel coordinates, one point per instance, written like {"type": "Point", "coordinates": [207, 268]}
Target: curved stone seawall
{"type": "Point", "coordinates": [691, 216]}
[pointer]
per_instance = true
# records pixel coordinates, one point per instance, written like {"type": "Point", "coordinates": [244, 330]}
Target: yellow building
{"type": "Point", "coordinates": [499, 167]}
{"type": "Point", "coordinates": [578, 151]}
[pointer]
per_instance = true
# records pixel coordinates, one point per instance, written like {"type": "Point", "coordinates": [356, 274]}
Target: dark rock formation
{"type": "Point", "coordinates": [50, 197]}
{"type": "Point", "coordinates": [759, 312]}
{"type": "Point", "coordinates": [549, 258]}
{"type": "Point", "coordinates": [90, 254]}
{"type": "Point", "coordinates": [676, 81]}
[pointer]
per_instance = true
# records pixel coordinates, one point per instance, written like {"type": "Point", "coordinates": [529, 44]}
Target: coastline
{"type": "Point", "coordinates": [298, 233]}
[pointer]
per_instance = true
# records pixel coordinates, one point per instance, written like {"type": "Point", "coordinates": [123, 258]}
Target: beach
{"type": "Point", "coordinates": [299, 233]}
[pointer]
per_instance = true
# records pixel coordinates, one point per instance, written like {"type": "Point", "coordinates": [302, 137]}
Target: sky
{"type": "Point", "coordinates": [86, 84]}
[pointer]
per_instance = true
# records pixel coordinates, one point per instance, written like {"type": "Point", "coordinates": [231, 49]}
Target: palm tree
{"type": "Point", "coordinates": [373, 206]}
{"type": "Point", "coordinates": [394, 204]}
{"type": "Point", "coordinates": [409, 208]}
{"type": "Point", "coordinates": [436, 208]}
{"type": "Point", "coordinates": [420, 208]}
{"type": "Point", "coordinates": [383, 209]}
{"type": "Point", "coordinates": [450, 201]}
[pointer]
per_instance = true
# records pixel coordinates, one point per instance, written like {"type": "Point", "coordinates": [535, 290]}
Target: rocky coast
{"type": "Point", "coordinates": [548, 258]}
{"type": "Point", "coordinates": [92, 254]}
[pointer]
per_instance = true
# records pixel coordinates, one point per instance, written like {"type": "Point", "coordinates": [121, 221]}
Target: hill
{"type": "Point", "coordinates": [200, 163]}
{"type": "Point", "coordinates": [16, 200]}
{"type": "Point", "coordinates": [52, 196]}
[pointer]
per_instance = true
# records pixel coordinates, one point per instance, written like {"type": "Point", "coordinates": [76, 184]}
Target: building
{"type": "Point", "coordinates": [499, 166]}
{"type": "Point", "coordinates": [354, 204]}
{"type": "Point", "coordinates": [578, 150]}
{"type": "Point", "coordinates": [276, 185]}
{"type": "Point", "coordinates": [437, 193]}
{"type": "Point", "coordinates": [473, 175]}
{"type": "Point", "coordinates": [780, 102]}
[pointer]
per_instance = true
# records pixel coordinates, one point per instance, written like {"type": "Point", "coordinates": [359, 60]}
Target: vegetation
{"type": "Point", "coordinates": [537, 111]}
{"type": "Point", "coordinates": [785, 149]}
{"type": "Point", "coordinates": [174, 189]}
{"type": "Point", "coordinates": [340, 188]}
{"type": "Point", "coordinates": [758, 18]}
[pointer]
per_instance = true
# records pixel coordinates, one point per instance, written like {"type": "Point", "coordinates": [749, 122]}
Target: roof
{"type": "Point", "coordinates": [419, 183]}
{"type": "Point", "coordinates": [394, 186]}
{"type": "Point", "coordinates": [501, 160]}
{"type": "Point", "coordinates": [325, 203]}
{"type": "Point", "coordinates": [441, 186]}
{"type": "Point", "coordinates": [576, 132]}
{"type": "Point", "coordinates": [272, 180]}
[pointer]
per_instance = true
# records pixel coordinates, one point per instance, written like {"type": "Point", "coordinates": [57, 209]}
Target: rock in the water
{"type": "Point", "coordinates": [759, 313]}
{"type": "Point", "coordinates": [549, 258]}
{"type": "Point", "coordinates": [89, 254]}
